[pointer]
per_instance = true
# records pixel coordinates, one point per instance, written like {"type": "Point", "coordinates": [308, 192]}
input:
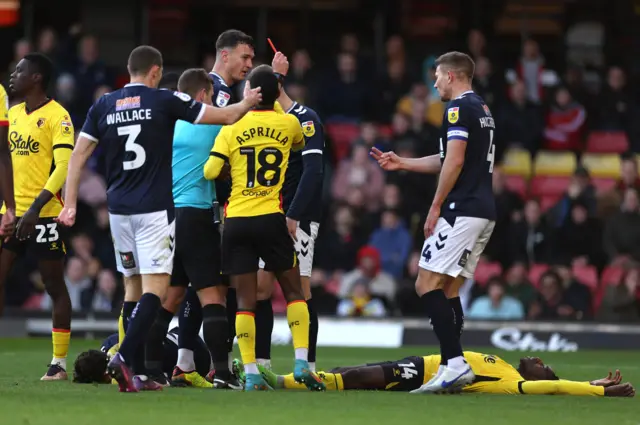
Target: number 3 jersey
{"type": "Point", "coordinates": [468, 118]}
{"type": "Point", "coordinates": [135, 126]}
{"type": "Point", "coordinates": [40, 142]}
{"type": "Point", "coordinates": [257, 148]}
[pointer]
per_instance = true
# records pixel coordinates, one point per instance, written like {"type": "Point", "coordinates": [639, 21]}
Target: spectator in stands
{"type": "Point", "coordinates": [574, 81]}
{"type": "Point", "coordinates": [394, 84]}
{"type": "Point", "coordinates": [476, 44]}
{"type": "Point", "coordinates": [496, 305]}
{"type": "Point", "coordinates": [78, 284]}
{"type": "Point", "coordinates": [344, 96]}
{"type": "Point", "coordinates": [433, 107]}
{"type": "Point", "coordinates": [622, 230]}
{"type": "Point", "coordinates": [82, 246]}
{"type": "Point", "coordinates": [406, 298]}
{"type": "Point", "coordinates": [579, 237]}
{"type": "Point", "coordinates": [300, 71]}
{"type": "Point", "coordinates": [621, 302]}
{"type": "Point", "coordinates": [508, 209]}
{"type": "Point", "coordinates": [360, 302]}
{"type": "Point", "coordinates": [370, 137]}
{"type": "Point", "coordinates": [520, 121]}
{"type": "Point", "coordinates": [576, 294]}
{"type": "Point", "coordinates": [486, 83]}
{"type": "Point", "coordinates": [393, 242]}
{"type": "Point", "coordinates": [91, 72]}
{"type": "Point", "coordinates": [366, 220]}
{"type": "Point", "coordinates": [551, 303]}
{"type": "Point", "coordinates": [628, 173]}
{"type": "Point", "coordinates": [615, 103]}
{"type": "Point", "coordinates": [368, 268]}
{"type": "Point", "coordinates": [359, 171]}
{"type": "Point", "coordinates": [392, 200]}
{"type": "Point", "coordinates": [104, 298]}
{"type": "Point", "coordinates": [65, 92]}
{"type": "Point", "coordinates": [21, 49]}
{"type": "Point", "coordinates": [93, 189]}
{"type": "Point", "coordinates": [101, 235]}
{"type": "Point", "coordinates": [518, 285]}
{"type": "Point", "coordinates": [565, 122]}
{"type": "Point", "coordinates": [580, 191]}
{"type": "Point", "coordinates": [530, 69]}
{"type": "Point", "coordinates": [338, 243]}
{"type": "Point", "coordinates": [531, 239]}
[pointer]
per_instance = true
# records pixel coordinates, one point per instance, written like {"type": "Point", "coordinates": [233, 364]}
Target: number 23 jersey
{"type": "Point", "coordinates": [257, 148]}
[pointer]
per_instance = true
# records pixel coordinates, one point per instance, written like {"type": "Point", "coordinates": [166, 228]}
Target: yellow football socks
{"type": "Point", "coordinates": [298, 318]}
{"type": "Point", "coordinates": [246, 333]}
{"type": "Point", "coordinates": [333, 382]}
{"type": "Point", "coordinates": [60, 339]}
{"type": "Point", "coordinates": [121, 328]}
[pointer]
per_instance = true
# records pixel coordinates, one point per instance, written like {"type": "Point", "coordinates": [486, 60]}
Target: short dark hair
{"type": "Point", "coordinates": [169, 81]}
{"type": "Point", "coordinates": [262, 76]}
{"type": "Point", "coordinates": [231, 39]}
{"type": "Point", "coordinates": [193, 80]}
{"type": "Point", "coordinates": [142, 59]}
{"type": "Point", "coordinates": [90, 367]}
{"type": "Point", "coordinates": [40, 64]}
{"type": "Point", "coordinates": [457, 62]}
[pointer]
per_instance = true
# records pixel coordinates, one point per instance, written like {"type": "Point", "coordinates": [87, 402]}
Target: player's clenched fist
{"type": "Point", "coordinates": [252, 96]}
{"type": "Point", "coordinates": [67, 216]}
{"type": "Point", "coordinates": [280, 63]}
{"type": "Point", "coordinates": [387, 160]}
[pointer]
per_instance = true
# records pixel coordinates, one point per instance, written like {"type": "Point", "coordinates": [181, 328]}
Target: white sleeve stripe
{"type": "Point", "coordinates": [318, 151]}
{"type": "Point", "coordinates": [204, 107]}
{"type": "Point", "coordinates": [452, 133]}
{"type": "Point", "coordinates": [88, 136]}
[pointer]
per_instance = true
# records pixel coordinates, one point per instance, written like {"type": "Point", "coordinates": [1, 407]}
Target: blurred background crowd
{"type": "Point", "coordinates": [567, 238]}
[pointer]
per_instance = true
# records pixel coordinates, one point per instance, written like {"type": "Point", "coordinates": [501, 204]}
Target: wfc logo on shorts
{"type": "Point", "coordinates": [22, 147]}
{"type": "Point", "coordinates": [257, 193]}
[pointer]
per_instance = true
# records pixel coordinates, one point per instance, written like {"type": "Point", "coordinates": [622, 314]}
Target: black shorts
{"type": "Point", "coordinates": [403, 375]}
{"type": "Point", "coordinates": [197, 257]}
{"type": "Point", "coordinates": [46, 243]}
{"type": "Point", "coordinates": [247, 239]}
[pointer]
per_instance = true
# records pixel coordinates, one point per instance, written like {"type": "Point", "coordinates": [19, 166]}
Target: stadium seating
{"type": "Point", "coordinates": [485, 271]}
{"type": "Point", "coordinates": [587, 275]}
{"type": "Point", "coordinates": [607, 142]}
{"type": "Point", "coordinates": [517, 184]}
{"type": "Point", "coordinates": [342, 134]}
{"type": "Point", "coordinates": [602, 165]}
{"type": "Point", "coordinates": [517, 162]}
{"type": "Point", "coordinates": [603, 184]}
{"type": "Point", "coordinates": [549, 186]}
{"type": "Point", "coordinates": [535, 272]}
{"type": "Point", "coordinates": [554, 163]}
{"type": "Point", "coordinates": [611, 276]}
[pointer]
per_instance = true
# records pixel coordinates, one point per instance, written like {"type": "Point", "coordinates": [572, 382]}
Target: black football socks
{"type": "Point", "coordinates": [189, 321]}
{"type": "Point", "coordinates": [313, 332]}
{"type": "Point", "coordinates": [127, 310]}
{"type": "Point", "coordinates": [264, 329]}
{"type": "Point", "coordinates": [439, 309]}
{"type": "Point", "coordinates": [154, 348]}
{"type": "Point", "coordinates": [456, 306]}
{"type": "Point", "coordinates": [232, 309]}
{"type": "Point", "coordinates": [141, 321]}
{"type": "Point", "coordinates": [216, 334]}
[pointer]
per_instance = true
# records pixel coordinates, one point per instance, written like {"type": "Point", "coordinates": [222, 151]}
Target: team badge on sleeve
{"type": "Point", "coordinates": [308, 129]}
{"type": "Point", "coordinates": [182, 96]}
{"type": "Point", "coordinates": [222, 99]}
{"type": "Point", "coordinates": [453, 114]}
{"type": "Point", "coordinates": [66, 127]}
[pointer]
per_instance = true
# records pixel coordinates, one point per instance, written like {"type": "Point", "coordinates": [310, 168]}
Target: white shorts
{"type": "Point", "coordinates": [305, 247]}
{"type": "Point", "coordinates": [456, 250]}
{"type": "Point", "coordinates": [144, 243]}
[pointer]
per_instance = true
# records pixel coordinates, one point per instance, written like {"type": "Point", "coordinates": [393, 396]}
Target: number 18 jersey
{"type": "Point", "coordinates": [257, 148]}
{"type": "Point", "coordinates": [468, 118]}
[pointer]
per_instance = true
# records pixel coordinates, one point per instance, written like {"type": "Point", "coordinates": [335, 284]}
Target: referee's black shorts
{"type": "Point", "coordinates": [197, 257]}
{"type": "Point", "coordinates": [247, 239]}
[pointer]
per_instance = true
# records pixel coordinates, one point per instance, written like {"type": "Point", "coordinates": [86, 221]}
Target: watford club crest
{"type": "Point", "coordinates": [40, 122]}
{"type": "Point", "coordinates": [308, 129]}
{"type": "Point", "coordinates": [453, 114]}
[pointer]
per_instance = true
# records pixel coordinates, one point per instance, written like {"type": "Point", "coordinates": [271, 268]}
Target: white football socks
{"type": "Point", "coordinates": [185, 360]}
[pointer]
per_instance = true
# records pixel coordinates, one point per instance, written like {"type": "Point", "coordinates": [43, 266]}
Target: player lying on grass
{"type": "Point", "coordinates": [91, 366]}
{"type": "Point", "coordinates": [493, 375]}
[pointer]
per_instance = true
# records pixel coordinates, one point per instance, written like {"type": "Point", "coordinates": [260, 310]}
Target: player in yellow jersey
{"type": "Point", "coordinates": [493, 375]}
{"type": "Point", "coordinates": [257, 148]}
{"type": "Point", "coordinates": [40, 141]}
{"type": "Point", "coordinates": [6, 175]}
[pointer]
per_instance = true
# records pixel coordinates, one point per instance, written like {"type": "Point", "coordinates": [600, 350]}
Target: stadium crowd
{"type": "Point", "coordinates": [567, 236]}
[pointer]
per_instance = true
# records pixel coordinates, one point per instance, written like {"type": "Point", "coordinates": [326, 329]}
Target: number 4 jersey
{"type": "Point", "coordinates": [135, 126]}
{"type": "Point", "coordinates": [468, 118]}
{"type": "Point", "coordinates": [257, 148]}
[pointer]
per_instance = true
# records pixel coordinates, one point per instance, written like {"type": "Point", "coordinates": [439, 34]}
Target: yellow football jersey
{"type": "Point", "coordinates": [4, 107]}
{"type": "Point", "coordinates": [35, 138]}
{"type": "Point", "coordinates": [257, 148]}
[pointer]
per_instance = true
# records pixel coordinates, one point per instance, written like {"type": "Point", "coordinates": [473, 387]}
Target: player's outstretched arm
{"type": "Point", "coordinates": [565, 387]}
{"type": "Point", "coordinates": [231, 114]}
{"type": "Point", "coordinates": [81, 154]}
{"type": "Point", "coordinates": [391, 162]}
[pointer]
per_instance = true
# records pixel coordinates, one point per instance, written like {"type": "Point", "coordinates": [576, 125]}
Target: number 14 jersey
{"type": "Point", "coordinates": [257, 148]}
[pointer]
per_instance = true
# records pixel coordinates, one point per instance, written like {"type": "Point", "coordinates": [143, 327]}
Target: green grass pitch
{"type": "Point", "coordinates": [24, 400]}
